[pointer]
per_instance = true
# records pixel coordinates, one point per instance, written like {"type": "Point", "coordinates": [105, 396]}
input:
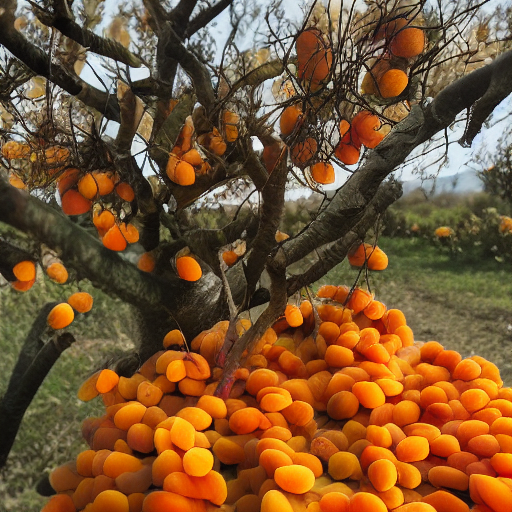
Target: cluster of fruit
{"type": "Point", "coordinates": [185, 162]}
{"type": "Point", "coordinates": [337, 408]}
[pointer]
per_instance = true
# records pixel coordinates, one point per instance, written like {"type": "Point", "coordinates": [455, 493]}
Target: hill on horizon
{"type": "Point", "coordinates": [460, 183]}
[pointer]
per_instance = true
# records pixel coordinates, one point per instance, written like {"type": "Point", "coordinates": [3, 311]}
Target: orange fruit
{"type": "Point", "coordinates": [146, 262]}
{"type": "Point", "coordinates": [323, 172]}
{"type": "Point", "coordinates": [184, 174]}
{"type": "Point", "coordinates": [408, 42]}
{"type": "Point", "coordinates": [188, 268]}
{"type": "Point", "coordinates": [74, 203]}
{"type": "Point", "coordinates": [392, 83]}
{"type": "Point", "coordinates": [125, 192]}
{"type": "Point", "coordinates": [302, 152]}
{"type": "Point", "coordinates": [103, 221]}
{"type": "Point", "coordinates": [81, 302]}
{"type": "Point", "coordinates": [114, 239]}
{"type": "Point", "coordinates": [314, 58]}
{"type": "Point", "coordinates": [25, 270]}
{"type": "Point", "coordinates": [271, 156]}
{"type": "Point", "coordinates": [289, 119]}
{"type": "Point", "coordinates": [60, 316]}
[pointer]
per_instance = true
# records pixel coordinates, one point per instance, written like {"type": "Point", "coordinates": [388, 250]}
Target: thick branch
{"type": "Point", "coordinates": [348, 204]}
{"type": "Point", "coordinates": [205, 16]}
{"type": "Point", "coordinates": [85, 37]}
{"type": "Point", "coordinates": [80, 250]}
{"type": "Point", "coordinates": [180, 15]}
{"type": "Point", "coordinates": [258, 76]}
{"type": "Point", "coordinates": [39, 62]}
{"type": "Point", "coordinates": [272, 196]}
{"type": "Point", "coordinates": [173, 48]}
{"type": "Point", "coordinates": [15, 403]}
{"type": "Point", "coordinates": [331, 255]}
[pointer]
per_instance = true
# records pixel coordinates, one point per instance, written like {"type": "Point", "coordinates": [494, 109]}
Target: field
{"type": "Point", "coordinates": [465, 306]}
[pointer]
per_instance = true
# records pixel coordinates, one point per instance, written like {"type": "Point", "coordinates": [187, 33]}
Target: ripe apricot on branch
{"type": "Point", "coordinates": [96, 183]}
{"type": "Point", "coordinates": [103, 221]}
{"type": "Point", "coordinates": [114, 239]}
{"type": "Point", "coordinates": [365, 124]}
{"type": "Point", "coordinates": [60, 316]}
{"type": "Point", "coordinates": [323, 172]}
{"type": "Point", "coordinates": [304, 151]}
{"type": "Point", "coordinates": [392, 83]}
{"type": "Point", "coordinates": [57, 272]}
{"type": "Point", "coordinates": [74, 203]}
{"type": "Point", "coordinates": [229, 257]}
{"type": "Point", "coordinates": [146, 262]}
{"type": "Point", "coordinates": [188, 268]}
{"type": "Point", "coordinates": [408, 42]}
{"type": "Point", "coordinates": [125, 192]}
{"type": "Point", "coordinates": [24, 270]}
{"type": "Point", "coordinates": [289, 119]}
{"type": "Point", "coordinates": [81, 302]}
{"type": "Point", "coordinates": [314, 58]}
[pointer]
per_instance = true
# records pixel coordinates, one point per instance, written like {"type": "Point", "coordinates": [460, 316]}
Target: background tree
{"type": "Point", "coordinates": [497, 178]}
{"type": "Point", "coordinates": [341, 82]}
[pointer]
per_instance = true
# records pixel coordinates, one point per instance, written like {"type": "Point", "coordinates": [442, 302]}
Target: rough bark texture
{"type": "Point", "coordinates": [36, 359]}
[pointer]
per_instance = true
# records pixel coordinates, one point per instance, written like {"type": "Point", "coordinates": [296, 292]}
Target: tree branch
{"type": "Point", "coordinates": [334, 253]}
{"type": "Point", "coordinates": [349, 202]}
{"type": "Point", "coordinates": [205, 17]}
{"type": "Point", "coordinates": [272, 195]}
{"type": "Point", "coordinates": [40, 63]}
{"type": "Point", "coordinates": [62, 20]}
{"type": "Point", "coordinates": [22, 389]}
{"type": "Point", "coordinates": [173, 48]}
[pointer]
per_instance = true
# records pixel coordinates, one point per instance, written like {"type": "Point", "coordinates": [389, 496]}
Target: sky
{"type": "Point", "coordinates": [459, 159]}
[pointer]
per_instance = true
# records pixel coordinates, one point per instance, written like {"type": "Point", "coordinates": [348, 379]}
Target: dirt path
{"type": "Point", "coordinates": [456, 327]}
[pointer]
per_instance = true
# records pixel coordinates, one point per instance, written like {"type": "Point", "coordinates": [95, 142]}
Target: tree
{"type": "Point", "coordinates": [497, 178]}
{"type": "Point", "coordinates": [388, 79]}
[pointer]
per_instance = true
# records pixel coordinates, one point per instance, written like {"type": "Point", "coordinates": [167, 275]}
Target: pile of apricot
{"type": "Point", "coordinates": [337, 408]}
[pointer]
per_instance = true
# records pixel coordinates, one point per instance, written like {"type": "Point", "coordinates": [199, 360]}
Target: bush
{"type": "Point", "coordinates": [474, 221]}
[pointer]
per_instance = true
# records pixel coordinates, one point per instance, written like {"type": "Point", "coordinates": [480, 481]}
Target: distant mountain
{"type": "Point", "coordinates": [460, 183]}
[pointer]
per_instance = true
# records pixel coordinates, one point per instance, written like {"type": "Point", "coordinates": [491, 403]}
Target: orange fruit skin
{"type": "Point", "coordinates": [229, 257]}
{"type": "Point", "coordinates": [366, 125]}
{"type": "Point", "coordinates": [25, 270]}
{"type": "Point", "coordinates": [270, 156]}
{"type": "Point", "coordinates": [81, 301]}
{"type": "Point", "coordinates": [125, 191]}
{"type": "Point", "coordinates": [57, 272]}
{"type": "Point", "coordinates": [289, 119]}
{"type": "Point", "coordinates": [314, 56]}
{"type": "Point", "coordinates": [184, 174]}
{"type": "Point", "coordinates": [60, 316]}
{"type": "Point", "coordinates": [114, 239]}
{"type": "Point", "coordinates": [23, 286]}
{"type": "Point", "coordinates": [73, 203]}
{"type": "Point", "coordinates": [67, 180]}
{"type": "Point", "coordinates": [146, 262]}
{"type": "Point", "coordinates": [408, 42]}
{"type": "Point", "coordinates": [188, 268]}
{"type": "Point", "coordinates": [302, 152]}
{"type": "Point", "coordinates": [349, 149]}
{"type": "Point", "coordinates": [393, 83]}
{"type": "Point", "coordinates": [323, 172]}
